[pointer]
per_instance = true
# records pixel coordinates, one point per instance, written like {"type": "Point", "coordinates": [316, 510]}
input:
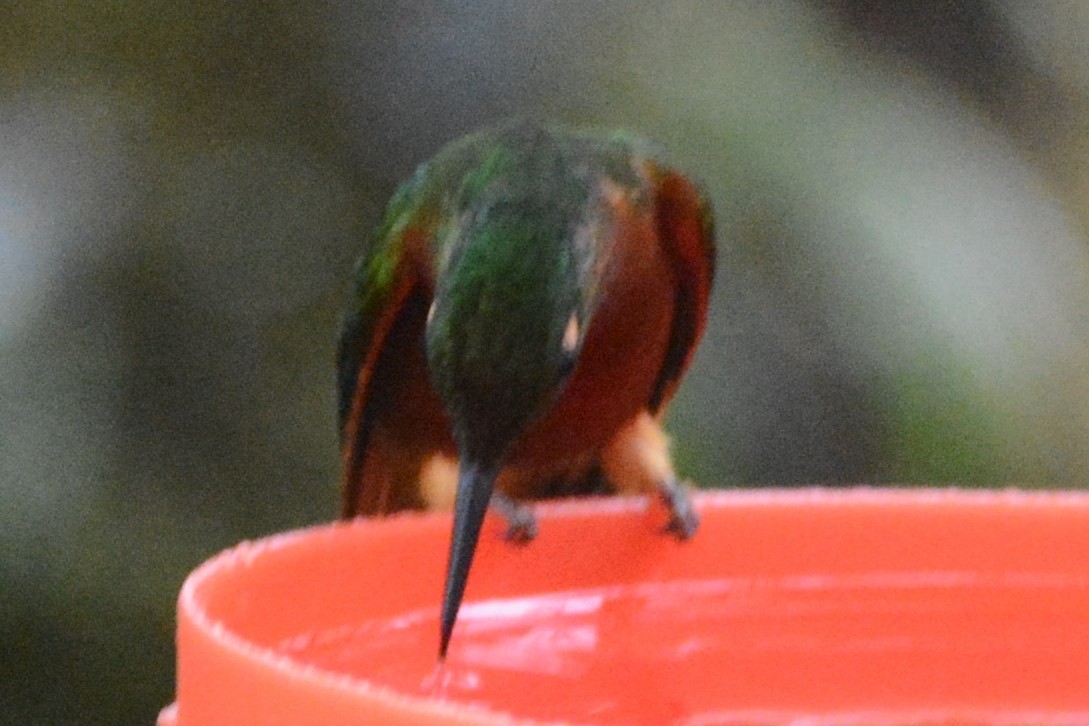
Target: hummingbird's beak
{"type": "Point", "coordinates": [475, 484]}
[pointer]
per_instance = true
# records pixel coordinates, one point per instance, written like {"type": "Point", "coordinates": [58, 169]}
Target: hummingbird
{"type": "Point", "coordinates": [518, 323]}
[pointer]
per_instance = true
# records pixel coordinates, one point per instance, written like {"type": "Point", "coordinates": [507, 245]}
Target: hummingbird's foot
{"type": "Point", "coordinates": [521, 524]}
{"type": "Point", "coordinates": [683, 519]}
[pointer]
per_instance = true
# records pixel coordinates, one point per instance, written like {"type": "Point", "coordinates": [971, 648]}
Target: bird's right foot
{"type": "Point", "coordinates": [521, 524]}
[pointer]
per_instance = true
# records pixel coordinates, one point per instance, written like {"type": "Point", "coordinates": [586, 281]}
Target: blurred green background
{"type": "Point", "coordinates": [901, 191]}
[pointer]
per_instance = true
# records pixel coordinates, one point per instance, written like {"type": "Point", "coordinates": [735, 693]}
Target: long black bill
{"type": "Point", "coordinates": [475, 484]}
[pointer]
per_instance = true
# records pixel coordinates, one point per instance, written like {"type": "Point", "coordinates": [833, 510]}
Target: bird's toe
{"type": "Point", "coordinates": [683, 518]}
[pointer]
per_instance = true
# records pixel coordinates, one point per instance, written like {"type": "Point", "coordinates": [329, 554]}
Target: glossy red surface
{"type": "Point", "coordinates": [863, 606]}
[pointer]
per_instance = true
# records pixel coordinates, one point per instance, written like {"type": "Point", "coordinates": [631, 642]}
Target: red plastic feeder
{"type": "Point", "coordinates": [813, 606]}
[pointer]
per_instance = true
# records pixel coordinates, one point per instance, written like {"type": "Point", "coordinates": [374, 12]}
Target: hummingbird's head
{"type": "Point", "coordinates": [510, 311]}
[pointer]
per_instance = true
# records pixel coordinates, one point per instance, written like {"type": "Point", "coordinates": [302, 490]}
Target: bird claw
{"type": "Point", "coordinates": [521, 531]}
{"type": "Point", "coordinates": [683, 519]}
{"type": "Point", "coordinates": [521, 524]}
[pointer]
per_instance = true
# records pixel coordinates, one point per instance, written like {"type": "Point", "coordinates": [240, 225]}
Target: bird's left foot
{"type": "Point", "coordinates": [683, 519]}
{"type": "Point", "coordinates": [521, 524]}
